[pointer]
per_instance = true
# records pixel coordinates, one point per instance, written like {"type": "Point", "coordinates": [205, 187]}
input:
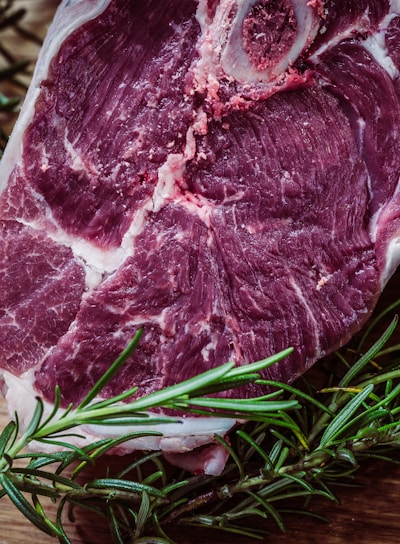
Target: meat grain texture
{"type": "Point", "coordinates": [222, 174]}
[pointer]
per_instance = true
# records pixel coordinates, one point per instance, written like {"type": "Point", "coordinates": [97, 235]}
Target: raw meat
{"type": "Point", "coordinates": [223, 174]}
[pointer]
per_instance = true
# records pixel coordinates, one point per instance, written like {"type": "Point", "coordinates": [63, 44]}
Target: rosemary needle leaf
{"type": "Point", "coordinates": [33, 488]}
{"type": "Point", "coordinates": [335, 428]}
{"type": "Point", "coordinates": [298, 393]}
{"type": "Point", "coordinates": [299, 480]}
{"type": "Point", "coordinates": [282, 458]}
{"type": "Point", "coordinates": [115, 528]}
{"type": "Point", "coordinates": [152, 456]}
{"type": "Point", "coordinates": [40, 510]}
{"type": "Point", "coordinates": [260, 365]}
{"type": "Point", "coordinates": [125, 486]}
{"type": "Point", "coordinates": [187, 387]}
{"type": "Point", "coordinates": [348, 456]}
{"type": "Point", "coordinates": [233, 454]}
{"type": "Point", "coordinates": [244, 406]}
{"type": "Point", "coordinates": [56, 406]}
{"type": "Point", "coordinates": [79, 452]}
{"type": "Point", "coordinates": [153, 477]}
{"type": "Point", "coordinates": [227, 384]}
{"type": "Point", "coordinates": [145, 420]}
{"type": "Point", "coordinates": [23, 505]}
{"type": "Point", "coordinates": [36, 418]}
{"type": "Point", "coordinates": [8, 435]}
{"type": "Point", "coordinates": [143, 514]}
{"type": "Point", "coordinates": [269, 509]}
{"type": "Point", "coordinates": [105, 446]}
{"type": "Point", "coordinates": [111, 372]}
{"type": "Point", "coordinates": [296, 431]}
{"type": "Point", "coordinates": [366, 358]}
{"type": "Point", "coordinates": [153, 540]}
{"type": "Point", "coordinates": [113, 400]}
{"type": "Point", "coordinates": [174, 485]}
{"type": "Point", "coordinates": [62, 536]}
{"type": "Point", "coordinates": [261, 452]}
{"type": "Point", "coordinates": [39, 460]}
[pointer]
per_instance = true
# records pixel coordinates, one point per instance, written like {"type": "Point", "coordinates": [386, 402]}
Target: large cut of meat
{"type": "Point", "coordinates": [223, 174]}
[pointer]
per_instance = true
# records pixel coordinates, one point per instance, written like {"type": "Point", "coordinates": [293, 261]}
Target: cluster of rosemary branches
{"type": "Point", "coordinates": [297, 443]}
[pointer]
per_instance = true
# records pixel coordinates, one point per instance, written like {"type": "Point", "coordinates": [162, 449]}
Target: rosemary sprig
{"type": "Point", "coordinates": [297, 442]}
{"type": "Point", "coordinates": [51, 430]}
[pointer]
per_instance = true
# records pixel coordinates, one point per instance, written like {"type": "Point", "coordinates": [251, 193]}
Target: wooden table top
{"type": "Point", "coordinates": [368, 514]}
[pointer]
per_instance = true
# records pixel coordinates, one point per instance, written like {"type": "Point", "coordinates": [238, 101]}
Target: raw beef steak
{"type": "Point", "coordinates": [221, 173]}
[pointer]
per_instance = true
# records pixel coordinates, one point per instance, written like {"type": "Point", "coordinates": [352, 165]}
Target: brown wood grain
{"type": "Point", "coordinates": [368, 514]}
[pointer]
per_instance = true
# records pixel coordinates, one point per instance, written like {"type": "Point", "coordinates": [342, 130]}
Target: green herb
{"type": "Point", "coordinates": [297, 443]}
{"type": "Point", "coordinates": [51, 430]}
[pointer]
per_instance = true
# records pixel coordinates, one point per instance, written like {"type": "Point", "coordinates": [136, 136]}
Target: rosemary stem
{"type": "Point", "coordinates": [56, 490]}
{"type": "Point", "coordinates": [12, 453]}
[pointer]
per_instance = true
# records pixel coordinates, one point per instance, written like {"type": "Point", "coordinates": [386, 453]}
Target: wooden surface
{"type": "Point", "coordinates": [367, 514]}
